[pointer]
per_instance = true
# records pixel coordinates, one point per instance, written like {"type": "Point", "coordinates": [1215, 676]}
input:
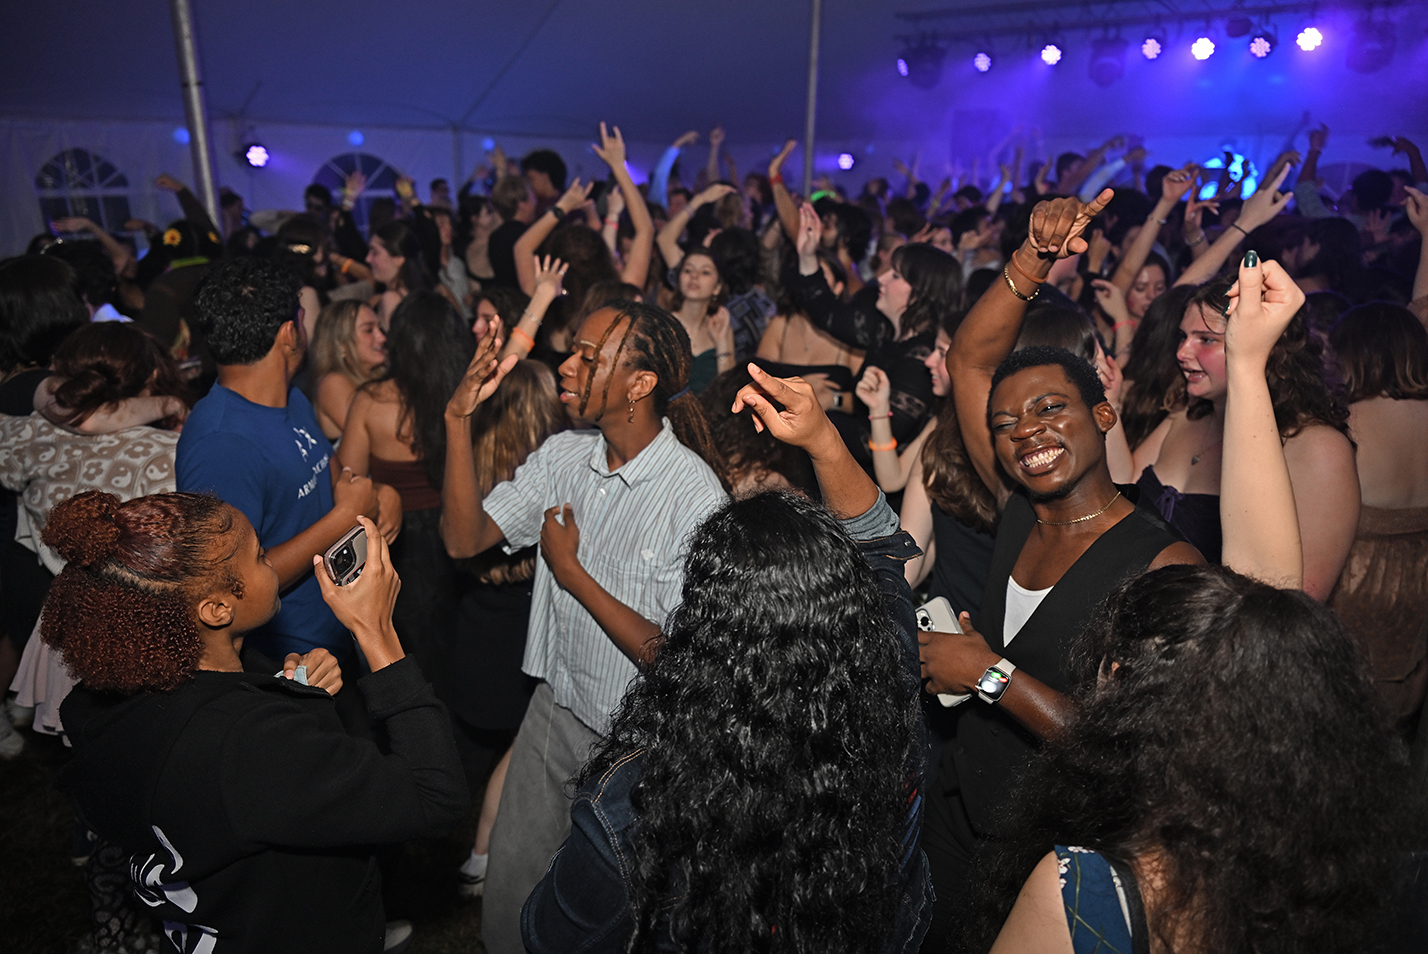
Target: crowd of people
{"type": "Point", "coordinates": [696, 513]}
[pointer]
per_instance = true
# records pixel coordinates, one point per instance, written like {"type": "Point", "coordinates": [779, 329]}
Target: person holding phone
{"type": "Point", "coordinates": [254, 441]}
{"type": "Point", "coordinates": [236, 792]}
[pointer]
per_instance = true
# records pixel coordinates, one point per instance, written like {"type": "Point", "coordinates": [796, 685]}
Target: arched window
{"type": "Point", "coordinates": [381, 181]}
{"type": "Point", "coordinates": [78, 182]}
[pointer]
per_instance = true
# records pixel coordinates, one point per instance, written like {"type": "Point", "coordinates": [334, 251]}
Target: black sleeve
{"type": "Point", "coordinates": [348, 240]}
{"type": "Point", "coordinates": [853, 323]}
{"type": "Point", "coordinates": [194, 211]}
{"type": "Point", "coordinates": [430, 238]}
{"type": "Point", "coordinates": [289, 780]}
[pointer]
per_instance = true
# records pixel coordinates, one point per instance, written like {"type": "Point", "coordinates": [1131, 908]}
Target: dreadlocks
{"type": "Point", "coordinates": [657, 342]}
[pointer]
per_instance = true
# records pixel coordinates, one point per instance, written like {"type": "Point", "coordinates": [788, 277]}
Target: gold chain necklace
{"type": "Point", "coordinates": [1089, 516]}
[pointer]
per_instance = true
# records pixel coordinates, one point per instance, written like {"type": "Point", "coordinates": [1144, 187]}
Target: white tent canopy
{"type": "Point", "coordinates": [426, 85]}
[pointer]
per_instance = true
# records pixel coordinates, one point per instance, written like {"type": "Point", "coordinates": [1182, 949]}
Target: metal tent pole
{"type": "Point", "coordinates": [810, 120]}
{"type": "Point", "coordinates": [194, 109]}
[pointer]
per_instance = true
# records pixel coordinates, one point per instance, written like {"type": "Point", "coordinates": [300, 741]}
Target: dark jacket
{"type": "Point", "coordinates": [249, 812]}
{"type": "Point", "coordinates": [582, 904]}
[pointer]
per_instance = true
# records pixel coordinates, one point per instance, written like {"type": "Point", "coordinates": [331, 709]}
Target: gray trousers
{"type": "Point", "coordinates": [534, 817]}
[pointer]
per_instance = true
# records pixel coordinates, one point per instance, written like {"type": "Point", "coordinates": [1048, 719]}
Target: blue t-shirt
{"type": "Point", "coordinates": [272, 464]}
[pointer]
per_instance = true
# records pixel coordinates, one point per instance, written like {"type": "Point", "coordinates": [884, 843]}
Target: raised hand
{"type": "Point", "coordinates": [1262, 303]}
{"type": "Point", "coordinates": [717, 325]}
{"type": "Point", "coordinates": [809, 230]}
{"type": "Point", "coordinates": [1056, 225]}
{"type": "Point", "coordinates": [75, 223]}
{"type": "Point", "coordinates": [1195, 209]}
{"type": "Point", "coordinates": [713, 194]}
{"type": "Point", "coordinates": [483, 375]}
{"type": "Point", "coordinates": [406, 189]}
{"type": "Point", "coordinates": [1319, 138]}
{"type": "Point", "coordinates": [874, 390]}
{"type": "Point", "coordinates": [801, 422]}
{"type": "Point", "coordinates": [1266, 203]}
{"type": "Point", "coordinates": [1415, 203]}
{"type": "Point", "coordinates": [352, 187]}
{"type": "Point", "coordinates": [1111, 299]}
{"type": "Point", "coordinates": [549, 273]}
{"type": "Point", "coordinates": [716, 137]}
{"type": "Point", "coordinates": [776, 163]}
{"type": "Point", "coordinates": [1178, 182]}
{"type": "Point", "coordinates": [688, 139]}
{"type": "Point", "coordinates": [168, 183]}
{"type": "Point", "coordinates": [611, 147]}
{"type": "Point", "coordinates": [614, 203]}
{"type": "Point", "coordinates": [574, 196]}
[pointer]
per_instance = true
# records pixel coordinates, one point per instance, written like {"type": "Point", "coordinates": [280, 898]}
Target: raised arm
{"type": "Point", "coordinates": [1416, 205]}
{"type": "Point", "coordinates": [1264, 205]}
{"type": "Point", "coordinates": [526, 245]}
{"type": "Point", "coordinates": [118, 254]}
{"type": "Point", "coordinates": [989, 332]}
{"type": "Point", "coordinates": [859, 327]}
{"type": "Point", "coordinates": [1257, 512]}
{"type": "Point", "coordinates": [789, 410]}
{"type": "Point", "coordinates": [669, 235]}
{"type": "Point", "coordinates": [466, 528]}
{"type": "Point", "coordinates": [711, 167]}
{"type": "Point", "coordinates": [783, 200]}
{"type": "Point", "coordinates": [1077, 175]}
{"type": "Point", "coordinates": [890, 468]}
{"type": "Point", "coordinates": [549, 274]}
{"type": "Point", "coordinates": [612, 149]}
{"type": "Point", "coordinates": [1174, 187]}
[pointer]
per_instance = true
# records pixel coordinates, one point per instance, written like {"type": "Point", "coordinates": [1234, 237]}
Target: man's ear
{"type": "Point", "coordinates": [1106, 417]}
{"type": "Point", "coordinates": [216, 610]}
{"type": "Point", "coordinates": [290, 336]}
{"type": "Point", "coordinates": [642, 384]}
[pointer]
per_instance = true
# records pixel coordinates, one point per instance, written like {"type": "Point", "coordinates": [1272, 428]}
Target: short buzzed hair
{"type": "Point", "coordinates": [1081, 375]}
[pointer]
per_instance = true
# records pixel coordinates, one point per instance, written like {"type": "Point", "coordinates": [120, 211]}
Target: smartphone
{"type": "Point", "coordinates": [346, 558]}
{"type": "Point", "coordinates": [936, 615]}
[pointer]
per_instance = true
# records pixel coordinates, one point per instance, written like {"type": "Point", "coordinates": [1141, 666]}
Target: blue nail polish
{"type": "Point", "coordinates": [1251, 258]}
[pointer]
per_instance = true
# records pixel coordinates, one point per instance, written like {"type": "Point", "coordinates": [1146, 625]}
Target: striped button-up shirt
{"type": "Point", "coordinates": [634, 526]}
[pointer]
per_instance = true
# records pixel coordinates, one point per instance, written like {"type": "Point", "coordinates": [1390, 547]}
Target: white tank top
{"type": "Point", "coordinates": [1021, 603]}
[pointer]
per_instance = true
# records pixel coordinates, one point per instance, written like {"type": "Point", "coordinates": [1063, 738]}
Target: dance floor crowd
{"type": "Point", "coordinates": [1033, 564]}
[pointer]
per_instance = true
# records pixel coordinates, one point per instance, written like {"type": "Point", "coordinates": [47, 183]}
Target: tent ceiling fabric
{"type": "Point", "coordinates": [654, 67]}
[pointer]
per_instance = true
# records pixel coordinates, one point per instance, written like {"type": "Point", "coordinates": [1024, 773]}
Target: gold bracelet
{"type": "Point", "coordinates": [1012, 285]}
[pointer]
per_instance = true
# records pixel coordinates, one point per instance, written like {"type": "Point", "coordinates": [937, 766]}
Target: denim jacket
{"type": "Point", "coordinates": [582, 903]}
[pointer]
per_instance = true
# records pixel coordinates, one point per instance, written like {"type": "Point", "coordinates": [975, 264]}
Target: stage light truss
{"type": "Point", "coordinates": [1037, 18]}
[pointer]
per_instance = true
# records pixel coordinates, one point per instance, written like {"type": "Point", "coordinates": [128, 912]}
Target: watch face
{"type": "Point", "coordinates": [992, 682]}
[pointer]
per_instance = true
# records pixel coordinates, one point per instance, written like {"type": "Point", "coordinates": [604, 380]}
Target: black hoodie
{"type": "Point", "coordinates": [248, 811]}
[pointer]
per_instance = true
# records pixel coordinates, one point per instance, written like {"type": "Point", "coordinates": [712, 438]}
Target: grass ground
{"type": "Point", "coordinates": [44, 905]}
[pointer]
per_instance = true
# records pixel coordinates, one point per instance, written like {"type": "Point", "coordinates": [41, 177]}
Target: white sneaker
{"type": "Point", "coordinates": [399, 935]}
{"type": "Point", "coordinates": [471, 877]}
{"type": "Point", "coordinates": [12, 743]}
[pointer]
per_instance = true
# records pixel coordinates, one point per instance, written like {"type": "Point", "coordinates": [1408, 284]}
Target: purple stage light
{"type": "Point", "coordinates": [1051, 54]}
{"type": "Point", "coordinates": [982, 62]}
{"type": "Point", "coordinates": [356, 138]}
{"type": "Point", "coordinates": [1203, 48]}
{"type": "Point", "coordinates": [1261, 46]}
{"type": "Point", "coordinates": [901, 66]}
{"type": "Point", "coordinates": [256, 155]}
{"type": "Point", "coordinates": [1309, 39]}
{"type": "Point", "coordinates": [1151, 48]}
{"type": "Point", "coordinates": [845, 161]}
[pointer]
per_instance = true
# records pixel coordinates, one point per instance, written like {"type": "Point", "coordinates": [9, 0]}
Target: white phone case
{"type": "Point", "coordinates": [936, 614]}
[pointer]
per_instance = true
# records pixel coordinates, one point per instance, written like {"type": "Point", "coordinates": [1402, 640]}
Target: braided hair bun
{"type": "Point", "coordinates": [83, 530]}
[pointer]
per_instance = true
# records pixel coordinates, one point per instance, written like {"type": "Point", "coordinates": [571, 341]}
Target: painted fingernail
{"type": "Point", "coordinates": [1251, 258]}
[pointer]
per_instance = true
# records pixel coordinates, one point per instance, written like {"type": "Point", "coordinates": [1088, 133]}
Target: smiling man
{"type": "Point", "coordinates": [1068, 535]}
{"type": "Point", "coordinates": [611, 504]}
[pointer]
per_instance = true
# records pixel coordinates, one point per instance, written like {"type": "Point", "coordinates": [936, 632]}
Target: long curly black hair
{"type": "Point", "coordinates": [1236, 741]}
{"type": "Point", "coordinates": [776, 725]}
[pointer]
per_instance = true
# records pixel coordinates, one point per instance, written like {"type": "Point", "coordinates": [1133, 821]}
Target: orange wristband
{"type": "Point", "coordinates": [890, 445]}
{"type": "Point", "coordinates": [529, 340]}
{"type": "Point", "coordinates": [1024, 274]}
